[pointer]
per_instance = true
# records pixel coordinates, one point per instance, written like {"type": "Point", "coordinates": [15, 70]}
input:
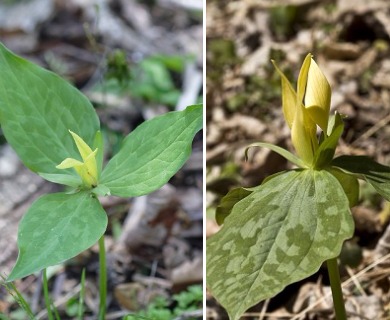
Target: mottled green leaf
{"type": "Point", "coordinates": [152, 153]}
{"type": "Point", "coordinates": [374, 173]}
{"type": "Point", "coordinates": [57, 227]}
{"type": "Point", "coordinates": [277, 235]}
{"type": "Point", "coordinates": [37, 108]}
{"type": "Point", "coordinates": [228, 201]}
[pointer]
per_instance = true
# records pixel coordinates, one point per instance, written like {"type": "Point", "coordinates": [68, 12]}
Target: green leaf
{"type": "Point", "coordinates": [373, 172]}
{"type": "Point", "coordinates": [277, 235]}
{"type": "Point", "coordinates": [228, 201]}
{"type": "Point", "coordinates": [57, 227]}
{"type": "Point", "coordinates": [327, 148]}
{"type": "Point", "coordinates": [349, 183]}
{"type": "Point", "coordinates": [152, 153]}
{"type": "Point", "coordinates": [283, 152]}
{"type": "Point", "coordinates": [37, 108]}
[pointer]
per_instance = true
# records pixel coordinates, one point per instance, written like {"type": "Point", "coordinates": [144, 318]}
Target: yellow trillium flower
{"type": "Point", "coordinates": [306, 108]}
{"type": "Point", "coordinates": [86, 169]}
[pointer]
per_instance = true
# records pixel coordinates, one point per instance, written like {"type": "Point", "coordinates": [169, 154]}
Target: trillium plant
{"type": "Point", "coordinates": [282, 231]}
{"type": "Point", "coordinates": [55, 131]}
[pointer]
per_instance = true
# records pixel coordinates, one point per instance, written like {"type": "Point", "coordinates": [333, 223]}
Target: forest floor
{"type": "Point", "coordinates": [350, 41]}
{"type": "Point", "coordinates": [134, 60]}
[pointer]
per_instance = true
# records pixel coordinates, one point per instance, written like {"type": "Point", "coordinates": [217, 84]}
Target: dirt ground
{"type": "Point", "coordinates": [154, 242]}
{"type": "Point", "coordinates": [350, 41]}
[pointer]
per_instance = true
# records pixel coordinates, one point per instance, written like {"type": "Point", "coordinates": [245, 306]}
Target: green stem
{"type": "Point", "coordinates": [337, 293]}
{"type": "Point", "coordinates": [46, 295]}
{"type": "Point", "coordinates": [102, 279]}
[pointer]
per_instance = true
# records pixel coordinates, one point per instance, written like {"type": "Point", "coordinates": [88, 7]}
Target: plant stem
{"type": "Point", "coordinates": [102, 279]}
{"type": "Point", "coordinates": [337, 293]}
{"type": "Point", "coordinates": [46, 295]}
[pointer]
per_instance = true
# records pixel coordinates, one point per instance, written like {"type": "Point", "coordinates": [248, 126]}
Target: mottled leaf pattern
{"type": "Point", "coordinates": [152, 153]}
{"type": "Point", "coordinates": [37, 108]}
{"type": "Point", "coordinates": [56, 228]}
{"type": "Point", "coordinates": [228, 201]}
{"type": "Point", "coordinates": [277, 235]}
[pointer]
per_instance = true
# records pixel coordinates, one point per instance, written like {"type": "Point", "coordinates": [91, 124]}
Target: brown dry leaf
{"type": "Point", "coordinates": [366, 219]}
{"type": "Point", "coordinates": [189, 272]}
{"type": "Point", "coordinates": [343, 50]}
{"type": "Point", "coordinates": [150, 219]}
{"type": "Point", "coordinates": [135, 296]}
{"type": "Point", "coordinates": [364, 307]}
{"type": "Point", "coordinates": [382, 77]}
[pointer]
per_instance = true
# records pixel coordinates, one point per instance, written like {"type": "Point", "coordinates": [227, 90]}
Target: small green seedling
{"type": "Point", "coordinates": [283, 230]}
{"type": "Point", "coordinates": [54, 129]}
{"type": "Point", "coordinates": [159, 309]}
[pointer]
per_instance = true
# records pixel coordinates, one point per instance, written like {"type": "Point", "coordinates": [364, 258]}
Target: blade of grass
{"type": "Point", "coordinates": [80, 311]}
{"type": "Point", "coordinates": [14, 292]}
{"type": "Point", "coordinates": [102, 279]}
{"type": "Point", "coordinates": [56, 314]}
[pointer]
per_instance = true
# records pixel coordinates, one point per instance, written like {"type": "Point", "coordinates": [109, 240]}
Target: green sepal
{"type": "Point", "coordinates": [301, 216]}
{"type": "Point", "coordinates": [98, 143]}
{"type": "Point", "coordinates": [334, 121]}
{"type": "Point", "coordinates": [283, 152]}
{"type": "Point", "coordinates": [373, 172]}
{"type": "Point", "coordinates": [101, 190]}
{"type": "Point", "coordinates": [62, 178]}
{"type": "Point", "coordinates": [56, 228]}
{"type": "Point", "coordinates": [327, 148]}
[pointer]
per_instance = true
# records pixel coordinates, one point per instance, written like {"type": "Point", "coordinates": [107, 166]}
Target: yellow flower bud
{"type": "Point", "coordinates": [305, 109]}
{"type": "Point", "coordinates": [86, 169]}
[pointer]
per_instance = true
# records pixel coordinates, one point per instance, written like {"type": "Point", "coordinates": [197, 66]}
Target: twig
{"type": "Point", "coordinates": [264, 309]}
{"type": "Point", "coordinates": [380, 124]}
{"type": "Point", "coordinates": [190, 314]}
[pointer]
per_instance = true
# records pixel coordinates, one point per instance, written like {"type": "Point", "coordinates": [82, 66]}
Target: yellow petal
{"type": "Point", "coordinates": [88, 179]}
{"type": "Point", "coordinates": [319, 116]}
{"type": "Point", "coordinates": [91, 166]}
{"type": "Point", "coordinates": [69, 163]}
{"type": "Point", "coordinates": [83, 148]}
{"type": "Point", "coordinates": [289, 97]}
{"type": "Point", "coordinates": [302, 78]}
{"type": "Point", "coordinates": [317, 95]}
{"type": "Point", "coordinates": [87, 170]}
{"type": "Point", "coordinates": [303, 136]}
